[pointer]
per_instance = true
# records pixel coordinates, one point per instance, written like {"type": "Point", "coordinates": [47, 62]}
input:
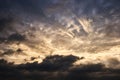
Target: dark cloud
{"type": "Point", "coordinates": [52, 69]}
{"type": "Point", "coordinates": [2, 39]}
{"type": "Point", "coordinates": [37, 7]}
{"type": "Point", "coordinates": [28, 6]}
{"type": "Point", "coordinates": [5, 22]}
{"type": "Point", "coordinates": [58, 62]}
{"type": "Point", "coordinates": [52, 63]}
{"type": "Point", "coordinates": [16, 37]}
{"type": "Point", "coordinates": [7, 26]}
{"type": "Point", "coordinates": [8, 52]}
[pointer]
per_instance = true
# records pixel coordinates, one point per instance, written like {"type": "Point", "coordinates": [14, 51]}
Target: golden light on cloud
{"type": "Point", "coordinates": [62, 41]}
{"type": "Point", "coordinates": [59, 40]}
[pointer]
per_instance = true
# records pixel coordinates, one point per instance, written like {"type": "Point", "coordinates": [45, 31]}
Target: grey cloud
{"type": "Point", "coordinates": [52, 68]}
{"type": "Point", "coordinates": [16, 37]}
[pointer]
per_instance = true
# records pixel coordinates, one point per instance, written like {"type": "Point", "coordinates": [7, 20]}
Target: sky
{"type": "Point", "coordinates": [59, 40]}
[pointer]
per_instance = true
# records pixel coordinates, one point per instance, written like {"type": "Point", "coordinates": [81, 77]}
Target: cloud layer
{"type": "Point", "coordinates": [56, 68]}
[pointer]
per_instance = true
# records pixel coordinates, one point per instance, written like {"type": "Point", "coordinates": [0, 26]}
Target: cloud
{"type": "Point", "coordinates": [57, 68]}
{"type": "Point", "coordinates": [16, 37]}
{"type": "Point", "coordinates": [5, 22]}
{"type": "Point", "coordinates": [2, 39]}
{"type": "Point", "coordinates": [113, 63]}
{"type": "Point", "coordinates": [60, 34]}
{"type": "Point", "coordinates": [52, 63]}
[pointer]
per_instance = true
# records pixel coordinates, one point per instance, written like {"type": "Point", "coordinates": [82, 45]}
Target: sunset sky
{"type": "Point", "coordinates": [59, 40]}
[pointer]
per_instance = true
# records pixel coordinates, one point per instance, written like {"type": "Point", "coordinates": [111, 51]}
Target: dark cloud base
{"type": "Point", "coordinates": [57, 68]}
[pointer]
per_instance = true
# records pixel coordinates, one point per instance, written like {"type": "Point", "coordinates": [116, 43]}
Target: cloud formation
{"type": "Point", "coordinates": [39, 38]}
{"type": "Point", "coordinates": [57, 67]}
